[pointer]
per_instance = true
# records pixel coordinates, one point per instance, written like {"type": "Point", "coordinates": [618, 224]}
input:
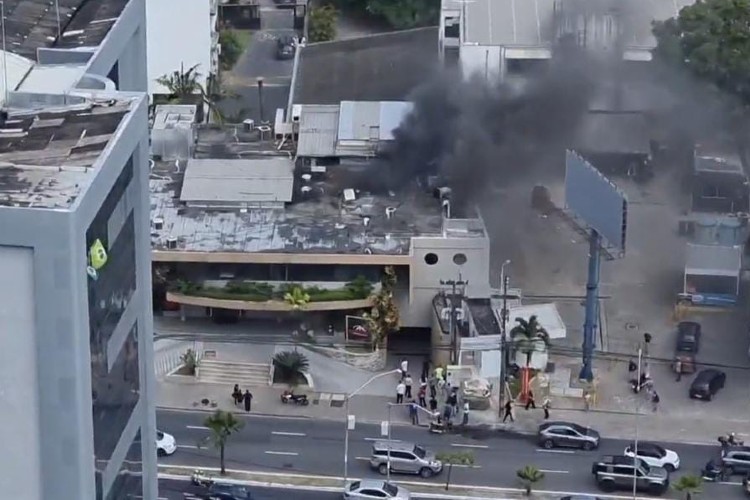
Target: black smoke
{"type": "Point", "coordinates": [474, 133]}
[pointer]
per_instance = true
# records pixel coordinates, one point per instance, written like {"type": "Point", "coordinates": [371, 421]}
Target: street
{"type": "Point", "coordinates": [309, 446]}
{"type": "Point", "coordinates": [170, 489]}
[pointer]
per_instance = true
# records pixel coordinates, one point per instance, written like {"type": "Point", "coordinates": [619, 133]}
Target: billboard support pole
{"type": "Point", "coordinates": [592, 306]}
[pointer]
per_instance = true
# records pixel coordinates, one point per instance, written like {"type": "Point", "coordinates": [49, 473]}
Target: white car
{"type": "Point", "coordinates": [371, 489]}
{"type": "Point", "coordinates": [655, 455]}
{"type": "Point", "coordinates": [165, 444]}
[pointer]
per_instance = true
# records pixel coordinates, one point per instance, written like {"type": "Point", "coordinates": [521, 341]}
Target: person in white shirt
{"type": "Point", "coordinates": [400, 391]}
{"type": "Point", "coordinates": [404, 368]}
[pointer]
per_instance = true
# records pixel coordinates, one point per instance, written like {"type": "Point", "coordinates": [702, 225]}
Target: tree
{"type": "Point", "coordinates": [231, 49]}
{"type": "Point", "coordinates": [322, 23]}
{"type": "Point", "coordinates": [451, 458]}
{"type": "Point", "coordinates": [401, 14]}
{"type": "Point", "coordinates": [529, 476]}
{"type": "Point", "coordinates": [290, 365]}
{"type": "Point", "coordinates": [689, 484]}
{"type": "Point", "coordinates": [222, 424]}
{"type": "Point", "coordinates": [383, 319]}
{"type": "Point", "coordinates": [297, 298]}
{"type": "Point", "coordinates": [189, 361]}
{"type": "Point", "coordinates": [184, 86]}
{"type": "Point", "coordinates": [528, 337]}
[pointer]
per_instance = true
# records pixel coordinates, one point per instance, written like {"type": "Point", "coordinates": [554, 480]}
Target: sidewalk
{"type": "Point", "coordinates": [374, 409]}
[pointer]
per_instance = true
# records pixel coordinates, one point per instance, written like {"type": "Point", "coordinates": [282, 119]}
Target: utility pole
{"type": "Point", "coordinates": [453, 324]}
{"type": "Point", "coordinates": [505, 354]}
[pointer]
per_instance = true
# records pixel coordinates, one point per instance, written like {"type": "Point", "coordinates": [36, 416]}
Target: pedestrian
{"type": "Point", "coordinates": [678, 369]}
{"type": "Point", "coordinates": [655, 401]}
{"type": "Point", "coordinates": [587, 401]}
{"type": "Point", "coordinates": [545, 406]}
{"type": "Point", "coordinates": [400, 391]}
{"type": "Point", "coordinates": [404, 367]}
{"type": "Point", "coordinates": [433, 387]}
{"type": "Point", "coordinates": [236, 394]}
{"type": "Point", "coordinates": [414, 412]}
{"type": "Point", "coordinates": [425, 369]}
{"type": "Point", "coordinates": [508, 411]}
{"type": "Point", "coordinates": [465, 420]}
{"type": "Point", "coordinates": [439, 373]}
{"type": "Point", "coordinates": [248, 398]}
{"type": "Point", "coordinates": [632, 366]}
{"type": "Point", "coordinates": [530, 403]}
{"type": "Point", "coordinates": [433, 404]}
{"type": "Point", "coordinates": [408, 382]}
{"type": "Point", "coordinates": [421, 394]}
{"type": "Point", "coordinates": [453, 402]}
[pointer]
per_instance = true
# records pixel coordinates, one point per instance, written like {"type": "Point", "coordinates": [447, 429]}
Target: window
{"type": "Point", "coordinates": [431, 259]}
{"type": "Point", "coordinates": [420, 452]}
{"type": "Point", "coordinates": [390, 489]}
{"type": "Point", "coordinates": [373, 493]}
{"type": "Point", "coordinates": [402, 455]}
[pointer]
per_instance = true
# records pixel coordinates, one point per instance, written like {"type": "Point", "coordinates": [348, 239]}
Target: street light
{"type": "Point", "coordinates": [637, 411]}
{"type": "Point", "coordinates": [346, 406]}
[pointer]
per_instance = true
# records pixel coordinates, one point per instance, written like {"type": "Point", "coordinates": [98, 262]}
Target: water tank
{"type": "Point", "coordinates": [730, 232]}
{"type": "Point", "coordinates": [705, 231]}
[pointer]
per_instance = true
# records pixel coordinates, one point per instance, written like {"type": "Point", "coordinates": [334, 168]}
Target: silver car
{"type": "Point", "coordinates": [370, 489]}
{"type": "Point", "coordinates": [567, 435]}
{"type": "Point", "coordinates": [406, 458]}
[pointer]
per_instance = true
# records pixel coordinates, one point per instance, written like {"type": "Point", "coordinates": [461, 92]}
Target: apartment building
{"type": "Point", "coordinates": [74, 251]}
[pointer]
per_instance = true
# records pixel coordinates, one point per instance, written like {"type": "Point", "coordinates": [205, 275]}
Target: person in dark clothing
{"type": "Point", "coordinates": [414, 412]}
{"type": "Point", "coordinates": [425, 369]}
{"type": "Point", "coordinates": [530, 403]}
{"type": "Point", "coordinates": [248, 398]}
{"type": "Point", "coordinates": [433, 387]}
{"type": "Point", "coordinates": [545, 407]}
{"type": "Point", "coordinates": [236, 394]}
{"type": "Point", "coordinates": [508, 411]}
{"type": "Point", "coordinates": [421, 395]}
{"type": "Point", "coordinates": [433, 404]}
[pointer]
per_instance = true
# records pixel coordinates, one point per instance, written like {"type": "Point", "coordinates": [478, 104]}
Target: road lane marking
{"type": "Point", "coordinates": [285, 453]}
{"type": "Point", "coordinates": [189, 447]}
{"type": "Point", "coordinates": [554, 471]}
{"type": "Point", "coordinates": [366, 459]}
{"type": "Point", "coordinates": [280, 433]}
{"type": "Point", "coordinates": [383, 439]}
{"type": "Point", "coordinates": [199, 427]}
{"type": "Point", "coordinates": [462, 445]}
{"type": "Point", "coordinates": [733, 483]}
{"type": "Point", "coordinates": [567, 452]}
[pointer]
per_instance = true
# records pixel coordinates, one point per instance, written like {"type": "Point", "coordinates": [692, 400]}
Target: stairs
{"type": "Point", "coordinates": [230, 372]}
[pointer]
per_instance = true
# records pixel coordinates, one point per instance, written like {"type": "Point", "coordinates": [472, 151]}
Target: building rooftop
{"type": "Point", "coordinates": [614, 132]}
{"type": "Point", "coordinates": [47, 155]}
{"type": "Point", "coordinates": [384, 67]}
{"type": "Point", "coordinates": [713, 260]}
{"type": "Point", "coordinates": [33, 24]}
{"type": "Point", "coordinates": [719, 165]}
{"type": "Point", "coordinates": [327, 213]}
{"type": "Point", "coordinates": [531, 23]}
{"type": "Point", "coordinates": [352, 128]}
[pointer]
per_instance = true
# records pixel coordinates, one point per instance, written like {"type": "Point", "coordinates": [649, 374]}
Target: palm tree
{"type": "Point", "coordinates": [529, 476]}
{"type": "Point", "coordinates": [384, 318]}
{"type": "Point", "coordinates": [290, 365]}
{"type": "Point", "coordinates": [222, 424]}
{"type": "Point", "coordinates": [183, 85]}
{"type": "Point", "coordinates": [689, 484]}
{"type": "Point", "coordinates": [451, 458]}
{"type": "Point", "coordinates": [528, 337]}
{"type": "Point", "coordinates": [297, 298]}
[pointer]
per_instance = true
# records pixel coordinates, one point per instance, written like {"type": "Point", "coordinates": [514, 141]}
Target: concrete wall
{"type": "Point", "coordinates": [179, 33]}
{"type": "Point", "coordinates": [425, 278]}
{"type": "Point", "coordinates": [19, 405]}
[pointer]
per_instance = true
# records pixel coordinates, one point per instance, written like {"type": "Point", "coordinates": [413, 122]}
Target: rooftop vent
{"type": "Point", "coordinates": [349, 195]}
{"type": "Point", "coordinates": [306, 177]}
{"type": "Point", "coordinates": [305, 191]}
{"type": "Point", "coordinates": [442, 193]}
{"type": "Point", "coordinates": [366, 221]}
{"type": "Point", "coordinates": [389, 211]}
{"type": "Point", "coordinates": [171, 243]}
{"type": "Point", "coordinates": [368, 251]}
{"type": "Point", "coordinates": [339, 225]}
{"type": "Point", "coordinates": [158, 223]}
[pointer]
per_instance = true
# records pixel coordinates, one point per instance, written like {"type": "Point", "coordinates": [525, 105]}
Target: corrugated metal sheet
{"type": "Point", "coordinates": [713, 260]}
{"type": "Point", "coordinates": [238, 181]}
{"type": "Point", "coordinates": [392, 113]}
{"type": "Point", "coordinates": [359, 121]}
{"type": "Point", "coordinates": [318, 127]}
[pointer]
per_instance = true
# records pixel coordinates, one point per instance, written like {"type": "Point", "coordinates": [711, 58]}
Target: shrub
{"type": "Point", "coordinates": [322, 27]}
{"type": "Point", "coordinates": [290, 366]}
{"type": "Point", "coordinates": [231, 48]}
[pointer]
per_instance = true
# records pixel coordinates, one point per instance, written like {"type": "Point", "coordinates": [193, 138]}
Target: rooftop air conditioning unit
{"type": "Point", "coordinates": [158, 223]}
{"type": "Point", "coordinates": [171, 243]}
{"type": "Point", "coordinates": [296, 113]}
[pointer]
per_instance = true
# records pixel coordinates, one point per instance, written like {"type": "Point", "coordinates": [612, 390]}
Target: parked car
{"type": "Point", "coordinates": [165, 444]}
{"type": "Point", "coordinates": [655, 455]}
{"type": "Point", "coordinates": [407, 458]}
{"type": "Point", "coordinates": [707, 383]}
{"type": "Point", "coordinates": [285, 47]}
{"type": "Point", "coordinates": [616, 472]}
{"type": "Point", "coordinates": [224, 491]}
{"type": "Point", "coordinates": [567, 435]}
{"type": "Point", "coordinates": [370, 489]}
{"type": "Point", "coordinates": [687, 345]}
{"type": "Point", "coordinates": [736, 460]}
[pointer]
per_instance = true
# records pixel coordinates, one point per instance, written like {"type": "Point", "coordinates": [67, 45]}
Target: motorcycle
{"type": "Point", "coordinates": [730, 439]}
{"type": "Point", "coordinates": [200, 478]}
{"type": "Point", "coordinates": [297, 399]}
{"type": "Point", "coordinates": [712, 472]}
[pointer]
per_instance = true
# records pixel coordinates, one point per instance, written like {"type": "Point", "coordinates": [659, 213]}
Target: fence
{"type": "Point", "coordinates": [168, 354]}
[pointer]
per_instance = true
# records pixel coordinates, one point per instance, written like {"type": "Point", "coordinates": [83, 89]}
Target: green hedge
{"type": "Point", "coordinates": [250, 291]}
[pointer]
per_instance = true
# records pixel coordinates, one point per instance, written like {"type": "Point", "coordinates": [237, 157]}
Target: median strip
{"type": "Point", "coordinates": [419, 489]}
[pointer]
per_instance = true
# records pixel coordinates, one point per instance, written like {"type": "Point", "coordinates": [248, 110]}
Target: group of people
{"type": "Point", "coordinates": [645, 382]}
{"type": "Point", "coordinates": [239, 397]}
{"type": "Point", "coordinates": [530, 404]}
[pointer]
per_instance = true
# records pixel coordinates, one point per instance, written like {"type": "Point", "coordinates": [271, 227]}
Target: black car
{"type": "Point", "coordinates": [285, 47]}
{"type": "Point", "coordinates": [687, 345]}
{"type": "Point", "coordinates": [707, 383]}
{"type": "Point", "coordinates": [225, 491]}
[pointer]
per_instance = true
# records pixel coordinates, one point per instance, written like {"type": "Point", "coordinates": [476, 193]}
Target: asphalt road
{"type": "Point", "coordinates": [316, 447]}
{"type": "Point", "coordinates": [183, 490]}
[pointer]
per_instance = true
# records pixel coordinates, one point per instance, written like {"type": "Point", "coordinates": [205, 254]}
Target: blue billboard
{"type": "Point", "coordinates": [595, 201]}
